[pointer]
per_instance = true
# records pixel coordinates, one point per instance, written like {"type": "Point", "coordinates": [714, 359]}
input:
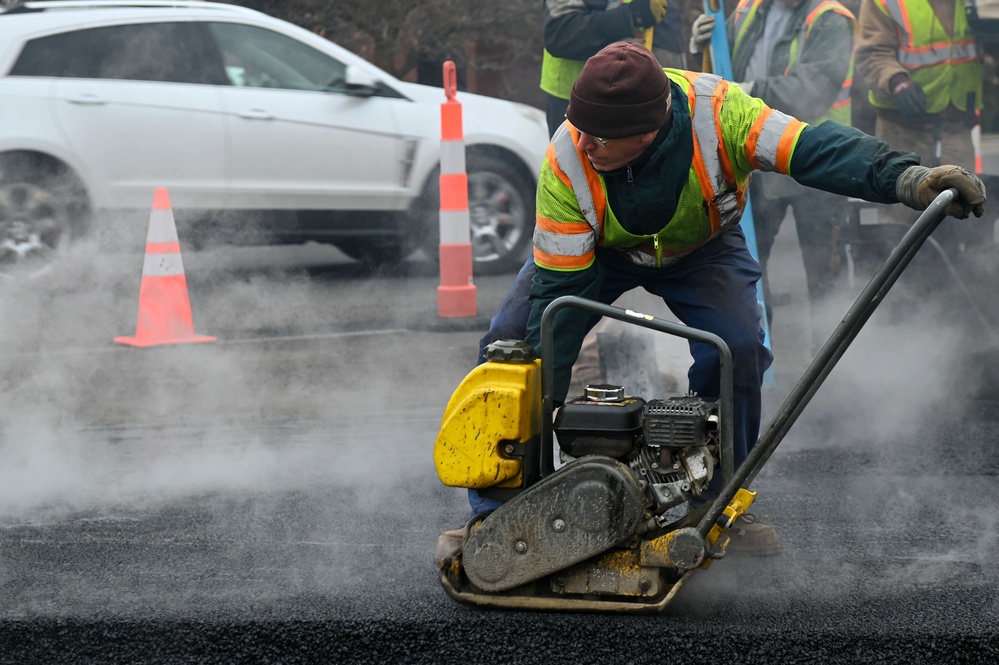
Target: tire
{"type": "Point", "coordinates": [43, 208]}
{"type": "Point", "coordinates": [501, 215]}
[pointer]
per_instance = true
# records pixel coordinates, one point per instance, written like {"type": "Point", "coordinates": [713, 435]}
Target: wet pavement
{"type": "Point", "coordinates": [271, 497]}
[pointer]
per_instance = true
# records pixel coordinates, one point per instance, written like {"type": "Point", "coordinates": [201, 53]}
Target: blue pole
{"type": "Point", "coordinates": [721, 61]}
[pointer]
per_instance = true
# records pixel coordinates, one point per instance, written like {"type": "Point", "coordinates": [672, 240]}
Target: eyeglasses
{"type": "Point", "coordinates": [603, 142]}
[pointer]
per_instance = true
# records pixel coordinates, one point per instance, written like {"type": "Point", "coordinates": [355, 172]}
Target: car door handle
{"type": "Point", "coordinates": [92, 100]}
{"type": "Point", "coordinates": [256, 114]}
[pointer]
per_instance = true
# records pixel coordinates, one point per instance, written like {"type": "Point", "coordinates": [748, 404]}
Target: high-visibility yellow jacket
{"type": "Point", "coordinates": [572, 211]}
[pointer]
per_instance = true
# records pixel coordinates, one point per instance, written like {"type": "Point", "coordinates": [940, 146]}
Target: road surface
{"type": "Point", "coordinates": [271, 497]}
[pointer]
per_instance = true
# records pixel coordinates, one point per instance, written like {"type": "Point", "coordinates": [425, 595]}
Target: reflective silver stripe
{"type": "Point", "coordinates": [895, 11]}
{"type": "Point", "coordinates": [162, 265]}
{"type": "Point", "coordinates": [452, 157]}
{"type": "Point", "coordinates": [571, 244]}
{"type": "Point", "coordinates": [960, 51]}
{"type": "Point", "coordinates": [161, 226]}
{"type": "Point", "coordinates": [568, 160]}
{"type": "Point", "coordinates": [564, 244]}
{"type": "Point", "coordinates": [728, 208]}
{"type": "Point", "coordinates": [705, 128]}
{"type": "Point", "coordinates": [645, 259]}
{"type": "Point", "coordinates": [454, 226]}
{"type": "Point", "coordinates": [769, 141]}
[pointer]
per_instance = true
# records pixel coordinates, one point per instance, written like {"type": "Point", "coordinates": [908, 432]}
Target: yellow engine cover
{"type": "Point", "coordinates": [498, 402]}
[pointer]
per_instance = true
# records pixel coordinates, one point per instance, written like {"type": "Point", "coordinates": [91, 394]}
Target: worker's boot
{"type": "Point", "coordinates": [751, 537]}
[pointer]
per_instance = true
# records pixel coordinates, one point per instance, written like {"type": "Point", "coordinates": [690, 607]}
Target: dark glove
{"type": "Point", "coordinates": [919, 185]}
{"type": "Point", "coordinates": [646, 13]}
{"type": "Point", "coordinates": [700, 33]}
{"type": "Point", "coordinates": [908, 97]}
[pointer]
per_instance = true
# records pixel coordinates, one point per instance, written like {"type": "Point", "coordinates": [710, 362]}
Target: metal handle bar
{"type": "Point", "coordinates": [837, 344]}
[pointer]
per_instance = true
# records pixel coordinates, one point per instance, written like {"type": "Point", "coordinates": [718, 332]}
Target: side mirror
{"type": "Point", "coordinates": [359, 82]}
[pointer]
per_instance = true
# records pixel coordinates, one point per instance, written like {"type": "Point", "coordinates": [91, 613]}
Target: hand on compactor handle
{"type": "Point", "coordinates": [919, 185]}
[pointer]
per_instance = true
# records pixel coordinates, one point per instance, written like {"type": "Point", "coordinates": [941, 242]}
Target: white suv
{"type": "Point", "coordinates": [232, 110]}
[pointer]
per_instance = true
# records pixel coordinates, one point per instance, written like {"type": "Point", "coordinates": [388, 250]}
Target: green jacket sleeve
{"type": "Point", "coordinates": [570, 325]}
{"type": "Point", "coordinates": [844, 160]}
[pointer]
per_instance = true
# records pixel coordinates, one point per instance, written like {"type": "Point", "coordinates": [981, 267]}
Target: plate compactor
{"type": "Point", "coordinates": [605, 531]}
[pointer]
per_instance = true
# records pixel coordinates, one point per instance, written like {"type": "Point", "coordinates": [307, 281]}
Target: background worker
{"type": "Point", "coordinates": [665, 216]}
{"type": "Point", "coordinates": [574, 30]}
{"type": "Point", "coordinates": [924, 69]}
{"type": "Point", "coordinates": [795, 55]}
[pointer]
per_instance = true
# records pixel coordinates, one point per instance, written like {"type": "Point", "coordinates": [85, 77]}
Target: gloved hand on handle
{"type": "Point", "coordinates": [700, 33]}
{"type": "Point", "coordinates": [646, 13]}
{"type": "Point", "coordinates": [919, 185]}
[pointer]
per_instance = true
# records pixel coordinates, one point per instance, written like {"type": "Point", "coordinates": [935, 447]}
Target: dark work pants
{"type": "Point", "coordinates": [712, 289]}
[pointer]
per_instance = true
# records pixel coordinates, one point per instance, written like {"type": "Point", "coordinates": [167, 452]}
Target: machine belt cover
{"type": "Point", "coordinates": [578, 512]}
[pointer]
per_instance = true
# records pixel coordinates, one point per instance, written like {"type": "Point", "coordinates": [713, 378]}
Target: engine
{"type": "Point", "coordinates": [670, 445]}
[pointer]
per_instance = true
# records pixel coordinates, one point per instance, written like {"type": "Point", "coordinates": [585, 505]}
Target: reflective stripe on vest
{"type": "Point", "coordinates": [711, 160]}
{"type": "Point", "coordinates": [571, 245]}
{"type": "Point", "coordinates": [922, 51]}
{"type": "Point", "coordinates": [744, 14]}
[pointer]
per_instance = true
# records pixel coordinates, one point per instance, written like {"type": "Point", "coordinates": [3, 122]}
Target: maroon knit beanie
{"type": "Point", "coordinates": [622, 91]}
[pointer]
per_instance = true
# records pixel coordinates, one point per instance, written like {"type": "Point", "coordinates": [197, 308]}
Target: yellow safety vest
{"type": "Point", "coordinates": [558, 74]}
{"type": "Point", "coordinates": [573, 217]}
{"type": "Point", "coordinates": [948, 70]}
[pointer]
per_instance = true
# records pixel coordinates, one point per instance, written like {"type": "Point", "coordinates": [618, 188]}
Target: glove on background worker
{"type": "Point", "coordinates": [919, 185]}
{"type": "Point", "coordinates": [700, 39]}
{"type": "Point", "coordinates": [909, 98]}
{"type": "Point", "coordinates": [700, 33]}
{"type": "Point", "coordinates": [646, 13]}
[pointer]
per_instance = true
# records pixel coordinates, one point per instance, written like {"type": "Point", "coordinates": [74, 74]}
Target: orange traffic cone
{"type": "Point", "coordinates": [164, 308]}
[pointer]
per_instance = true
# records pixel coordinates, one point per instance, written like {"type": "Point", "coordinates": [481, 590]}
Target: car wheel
{"type": "Point", "coordinates": [41, 210]}
{"type": "Point", "coordinates": [501, 215]}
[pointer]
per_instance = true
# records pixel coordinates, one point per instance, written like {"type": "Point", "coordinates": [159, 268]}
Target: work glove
{"type": "Point", "coordinates": [700, 33]}
{"type": "Point", "coordinates": [646, 13]}
{"type": "Point", "coordinates": [919, 185]}
{"type": "Point", "coordinates": [908, 96]}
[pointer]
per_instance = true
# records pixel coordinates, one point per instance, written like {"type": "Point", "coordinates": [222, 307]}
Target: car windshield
{"type": "Point", "coordinates": [259, 58]}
